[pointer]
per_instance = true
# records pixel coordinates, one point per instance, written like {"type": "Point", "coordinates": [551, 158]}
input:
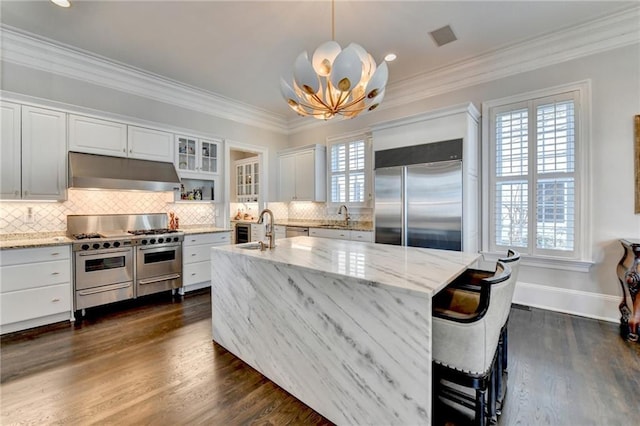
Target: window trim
{"type": "Point", "coordinates": [368, 169]}
{"type": "Point", "coordinates": [582, 259]}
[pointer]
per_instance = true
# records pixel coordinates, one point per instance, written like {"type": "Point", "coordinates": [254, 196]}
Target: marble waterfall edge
{"type": "Point", "coordinates": [355, 352]}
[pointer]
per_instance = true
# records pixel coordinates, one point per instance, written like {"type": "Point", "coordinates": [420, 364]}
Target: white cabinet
{"type": "Point", "coordinates": [258, 231]}
{"type": "Point", "coordinates": [342, 234]}
{"type": "Point", "coordinates": [302, 174]}
{"type": "Point", "coordinates": [98, 136]}
{"type": "Point", "coordinates": [35, 287]}
{"type": "Point", "coordinates": [196, 258]}
{"type": "Point", "coordinates": [280, 231]}
{"type": "Point", "coordinates": [247, 180]}
{"type": "Point", "coordinates": [197, 158]}
{"type": "Point", "coordinates": [150, 144]}
{"type": "Point", "coordinates": [95, 136]}
{"type": "Point", "coordinates": [34, 153]}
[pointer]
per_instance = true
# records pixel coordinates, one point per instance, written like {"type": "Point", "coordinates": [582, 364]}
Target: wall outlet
{"type": "Point", "coordinates": [30, 216]}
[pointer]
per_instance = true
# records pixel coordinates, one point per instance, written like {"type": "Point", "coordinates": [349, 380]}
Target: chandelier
{"type": "Point", "coordinates": [335, 81]}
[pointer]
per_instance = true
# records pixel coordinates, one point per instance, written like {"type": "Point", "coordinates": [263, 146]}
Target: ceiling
{"type": "Point", "coordinates": [239, 49]}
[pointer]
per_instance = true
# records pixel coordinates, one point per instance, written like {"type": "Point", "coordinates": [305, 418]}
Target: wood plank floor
{"type": "Point", "coordinates": [153, 362]}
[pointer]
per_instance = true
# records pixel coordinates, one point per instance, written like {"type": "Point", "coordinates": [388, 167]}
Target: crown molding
{"type": "Point", "coordinates": [26, 49]}
{"type": "Point", "coordinates": [617, 30]}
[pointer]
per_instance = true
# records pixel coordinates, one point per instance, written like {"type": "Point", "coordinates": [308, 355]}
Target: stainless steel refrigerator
{"type": "Point", "coordinates": [419, 203]}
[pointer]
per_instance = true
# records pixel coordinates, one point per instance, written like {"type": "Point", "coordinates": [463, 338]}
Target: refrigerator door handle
{"type": "Point", "coordinates": [403, 206]}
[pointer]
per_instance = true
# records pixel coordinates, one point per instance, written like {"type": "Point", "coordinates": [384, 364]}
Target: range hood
{"type": "Point", "coordinates": [105, 172]}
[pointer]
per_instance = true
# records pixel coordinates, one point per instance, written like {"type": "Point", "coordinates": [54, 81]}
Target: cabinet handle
{"type": "Point", "coordinates": [193, 241]}
{"type": "Point", "coordinates": [26, 193]}
{"type": "Point", "coordinates": [55, 299]}
{"type": "Point", "coordinates": [55, 253]}
{"type": "Point", "coordinates": [17, 193]}
{"type": "Point", "coordinates": [55, 273]}
{"type": "Point", "coordinates": [124, 149]}
{"type": "Point", "coordinates": [193, 274]}
{"type": "Point", "coordinates": [193, 254]}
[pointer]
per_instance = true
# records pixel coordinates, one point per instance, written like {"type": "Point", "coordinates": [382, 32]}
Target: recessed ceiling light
{"type": "Point", "coordinates": [390, 57]}
{"type": "Point", "coordinates": [62, 3]}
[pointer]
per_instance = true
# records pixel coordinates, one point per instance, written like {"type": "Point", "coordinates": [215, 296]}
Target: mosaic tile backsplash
{"type": "Point", "coordinates": [49, 217]}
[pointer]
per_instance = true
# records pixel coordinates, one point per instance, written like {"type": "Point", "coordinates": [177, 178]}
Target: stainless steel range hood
{"type": "Point", "coordinates": [105, 172]}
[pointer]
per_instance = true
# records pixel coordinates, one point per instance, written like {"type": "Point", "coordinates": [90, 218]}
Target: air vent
{"type": "Point", "coordinates": [443, 36]}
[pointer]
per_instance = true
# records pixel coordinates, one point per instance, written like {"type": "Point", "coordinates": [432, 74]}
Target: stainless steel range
{"type": "Point", "coordinates": [119, 257]}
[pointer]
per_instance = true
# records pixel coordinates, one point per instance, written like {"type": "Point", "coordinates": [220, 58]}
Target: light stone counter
{"type": "Point", "coordinates": [202, 229]}
{"type": "Point", "coordinates": [33, 240]}
{"type": "Point", "coordinates": [344, 326]}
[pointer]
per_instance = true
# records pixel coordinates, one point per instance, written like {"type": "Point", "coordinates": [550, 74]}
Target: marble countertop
{"type": "Point", "coordinates": [354, 226]}
{"type": "Point", "coordinates": [45, 239]}
{"type": "Point", "coordinates": [33, 240]}
{"type": "Point", "coordinates": [200, 229]}
{"type": "Point", "coordinates": [409, 269]}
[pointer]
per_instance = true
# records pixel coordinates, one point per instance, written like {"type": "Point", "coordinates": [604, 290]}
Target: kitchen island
{"type": "Point", "coordinates": [343, 326]}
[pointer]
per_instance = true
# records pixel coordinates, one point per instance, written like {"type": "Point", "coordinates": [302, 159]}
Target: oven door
{"type": "Point", "coordinates": [94, 269]}
{"type": "Point", "coordinates": [158, 261]}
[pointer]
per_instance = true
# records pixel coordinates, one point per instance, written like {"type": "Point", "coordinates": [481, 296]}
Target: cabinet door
{"type": "Point", "coordinates": [208, 156]}
{"type": "Point", "coordinates": [305, 176]}
{"type": "Point", "coordinates": [149, 144]}
{"type": "Point", "coordinates": [240, 183]}
{"type": "Point", "coordinates": [44, 154]}
{"type": "Point", "coordinates": [256, 181]}
{"type": "Point", "coordinates": [97, 136]}
{"type": "Point", "coordinates": [10, 186]}
{"type": "Point", "coordinates": [187, 154]}
{"type": "Point", "coordinates": [286, 182]}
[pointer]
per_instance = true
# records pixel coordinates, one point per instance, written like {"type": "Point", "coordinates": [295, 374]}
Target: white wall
{"type": "Point", "coordinates": [615, 77]}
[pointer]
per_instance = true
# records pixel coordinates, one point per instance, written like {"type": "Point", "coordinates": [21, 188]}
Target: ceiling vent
{"type": "Point", "coordinates": [443, 36]}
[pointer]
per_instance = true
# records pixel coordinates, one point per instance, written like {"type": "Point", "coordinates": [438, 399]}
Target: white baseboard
{"type": "Point", "coordinates": [591, 305]}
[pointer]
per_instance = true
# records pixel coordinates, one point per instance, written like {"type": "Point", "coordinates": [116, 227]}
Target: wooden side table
{"type": "Point", "coordinates": [629, 275]}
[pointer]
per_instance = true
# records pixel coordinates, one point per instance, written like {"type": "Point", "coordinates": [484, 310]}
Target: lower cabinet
{"type": "Point", "coordinates": [196, 255]}
{"type": "Point", "coordinates": [342, 234]}
{"type": "Point", "coordinates": [35, 287]}
{"type": "Point", "coordinates": [258, 231]}
{"type": "Point", "coordinates": [279, 231]}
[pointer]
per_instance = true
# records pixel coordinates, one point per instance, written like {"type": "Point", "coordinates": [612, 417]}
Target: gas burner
{"type": "Point", "coordinates": [153, 231]}
{"type": "Point", "coordinates": [85, 236]}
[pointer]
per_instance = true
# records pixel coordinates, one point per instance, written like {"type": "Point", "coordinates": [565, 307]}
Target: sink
{"type": "Point", "coordinates": [249, 246]}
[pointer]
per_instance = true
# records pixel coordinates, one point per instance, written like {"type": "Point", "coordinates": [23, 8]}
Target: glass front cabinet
{"type": "Point", "coordinates": [247, 180]}
{"type": "Point", "coordinates": [197, 157]}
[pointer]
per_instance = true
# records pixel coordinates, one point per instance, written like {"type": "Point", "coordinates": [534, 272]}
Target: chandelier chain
{"type": "Point", "coordinates": [333, 20]}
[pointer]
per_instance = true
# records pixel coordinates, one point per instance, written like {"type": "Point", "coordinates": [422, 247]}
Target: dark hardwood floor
{"type": "Point", "coordinates": [153, 362]}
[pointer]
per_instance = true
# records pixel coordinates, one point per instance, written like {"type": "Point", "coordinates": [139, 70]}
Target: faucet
{"type": "Point", "coordinates": [269, 233]}
{"type": "Point", "coordinates": [346, 214]}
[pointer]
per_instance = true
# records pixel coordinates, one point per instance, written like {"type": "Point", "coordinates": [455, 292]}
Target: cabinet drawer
{"type": "Point", "coordinates": [329, 233]}
{"type": "Point", "coordinates": [218, 238]}
{"type": "Point", "coordinates": [196, 273]}
{"type": "Point", "coordinates": [22, 277]}
{"type": "Point", "coordinates": [194, 254]}
{"type": "Point", "coordinates": [33, 255]}
{"type": "Point", "coordinates": [35, 303]}
{"type": "Point", "coordinates": [362, 236]}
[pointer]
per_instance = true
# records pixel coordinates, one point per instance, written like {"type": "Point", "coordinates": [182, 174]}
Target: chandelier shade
{"type": "Point", "coordinates": [335, 82]}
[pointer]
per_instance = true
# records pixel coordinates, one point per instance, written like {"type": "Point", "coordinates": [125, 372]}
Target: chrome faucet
{"type": "Point", "coordinates": [269, 233]}
{"type": "Point", "coordinates": [346, 214]}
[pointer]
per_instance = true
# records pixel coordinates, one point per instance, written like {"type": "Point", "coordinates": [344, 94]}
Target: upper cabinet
{"type": "Point", "coordinates": [34, 153]}
{"type": "Point", "coordinates": [302, 174]}
{"type": "Point", "coordinates": [97, 136]}
{"type": "Point", "coordinates": [247, 180]}
{"type": "Point", "coordinates": [197, 158]}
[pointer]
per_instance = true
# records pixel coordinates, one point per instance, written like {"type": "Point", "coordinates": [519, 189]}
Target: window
{"type": "Point", "coordinates": [348, 165]}
{"type": "Point", "coordinates": [534, 169]}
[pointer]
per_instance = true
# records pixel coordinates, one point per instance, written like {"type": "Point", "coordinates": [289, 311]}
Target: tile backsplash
{"type": "Point", "coordinates": [46, 217]}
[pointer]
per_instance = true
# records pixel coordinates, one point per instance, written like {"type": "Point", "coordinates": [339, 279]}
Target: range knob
{"type": "Point", "coordinates": [152, 241]}
{"type": "Point", "coordinates": [106, 245]}
{"type": "Point", "coordinates": [176, 239]}
{"type": "Point", "coordinates": [96, 246]}
{"type": "Point", "coordinates": [160, 240]}
{"type": "Point", "coordinates": [116, 244]}
{"type": "Point", "coordinates": [144, 241]}
{"type": "Point", "coordinates": [85, 247]}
